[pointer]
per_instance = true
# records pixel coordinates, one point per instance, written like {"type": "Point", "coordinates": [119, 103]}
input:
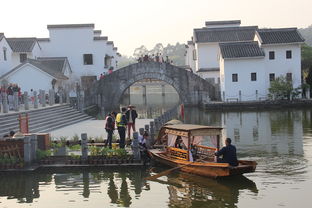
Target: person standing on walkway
{"type": "Point", "coordinates": [109, 127]}
{"type": "Point", "coordinates": [131, 115]}
{"type": "Point", "coordinates": [121, 123]}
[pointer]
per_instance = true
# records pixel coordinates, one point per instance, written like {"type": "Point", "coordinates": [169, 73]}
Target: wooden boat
{"type": "Point", "coordinates": [204, 162]}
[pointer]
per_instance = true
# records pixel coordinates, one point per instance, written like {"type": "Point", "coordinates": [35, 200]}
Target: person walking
{"type": "Point", "coordinates": [131, 115]}
{"type": "Point", "coordinates": [121, 123]}
{"type": "Point", "coordinates": [109, 127]}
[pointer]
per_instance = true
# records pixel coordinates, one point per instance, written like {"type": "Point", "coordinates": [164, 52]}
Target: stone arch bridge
{"type": "Point", "coordinates": [107, 92]}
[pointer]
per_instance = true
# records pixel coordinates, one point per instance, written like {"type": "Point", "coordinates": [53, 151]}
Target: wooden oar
{"type": "Point", "coordinates": [166, 172]}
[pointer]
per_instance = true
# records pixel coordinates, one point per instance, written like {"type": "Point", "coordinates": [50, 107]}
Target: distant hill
{"type": "Point", "coordinates": [307, 34]}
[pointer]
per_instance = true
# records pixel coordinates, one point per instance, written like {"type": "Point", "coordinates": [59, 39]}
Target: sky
{"type": "Point", "coordinates": [132, 23]}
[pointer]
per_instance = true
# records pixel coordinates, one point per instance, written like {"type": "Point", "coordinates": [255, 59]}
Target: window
{"type": "Point", "coordinates": [288, 54]}
{"type": "Point", "coordinates": [289, 77]}
{"type": "Point", "coordinates": [271, 55]}
{"type": "Point", "coordinates": [107, 61]}
{"type": "Point", "coordinates": [23, 57]}
{"type": "Point", "coordinates": [234, 77]}
{"type": "Point", "coordinates": [4, 54]}
{"type": "Point", "coordinates": [194, 55]}
{"type": "Point", "coordinates": [272, 77]}
{"type": "Point", "coordinates": [87, 59]}
{"type": "Point", "coordinates": [236, 135]}
{"type": "Point", "coordinates": [253, 76]}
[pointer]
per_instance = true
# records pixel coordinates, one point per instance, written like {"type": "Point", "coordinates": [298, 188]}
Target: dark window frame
{"type": "Point", "coordinates": [271, 55]}
{"type": "Point", "coordinates": [253, 76]}
{"type": "Point", "coordinates": [288, 54]}
{"type": "Point", "coordinates": [194, 55]}
{"type": "Point", "coordinates": [23, 57]}
{"type": "Point", "coordinates": [235, 77]}
{"type": "Point", "coordinates": [272, 77]}
{"type": "Point", "coordinates": [289, 77]}
{"type": "Point", "coordinates": [88, 59]}
{"type": "Point", "coordinates": [4, 54]}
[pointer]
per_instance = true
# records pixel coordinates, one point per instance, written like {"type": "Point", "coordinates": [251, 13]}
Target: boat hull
{"type": "Point", "coordinates": [206, 169]}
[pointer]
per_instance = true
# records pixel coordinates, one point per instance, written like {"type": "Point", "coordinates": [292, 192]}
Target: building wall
{"type": "Point", "coordinates": [5, 65]}
{"type": "Point", "coordinates": [243, 68]}
{"type": "Point", "coordinates": [189, 60]}
{"type": "Point", "coordinates": [207, 54]}
{"type": "Point", "coordinates": [39, 79]}
{"type": "Point", "coordinates": [67, 43]}
{"type": "Point", "coordinates": [280, 65]}
{"type": "Point", "coordinates": [15, 57]}
{"type": "Point", "coordinates": [215, 75]}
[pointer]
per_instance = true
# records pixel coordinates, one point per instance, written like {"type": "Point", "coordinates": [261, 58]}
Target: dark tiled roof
{"type": "Point", "coordinates": [241, 50]}
{"type": "Point", "coordinates": [115, 48]}
{"type": "Point", "coordinates": [70, 26]}
{"type": "Point", "coordinates": [1, 36]}
{"type": "Point", "coordinates": [227, 22]}
{"type": "Point", "coordinates": [118, 54]}
{"type": "Point", "coordinates": [208, 69]}
{"type": "Point", "coordinates": [22, 44]}
{"type": "Point", "coordinates": [190, 42]}
{"type": "Point", "coordinates": [110, 43]}
{"type": "Point", "coordinates": [97, 31]}
{"type": "Point", "coordinates": [279, 36]}
{"type": "Point", "coordinates": [100, 38]}
{"type": "Point", "coordinates": [54, 66]}
{"type": "Point", "coordinates": [227, 34]}
{"type": "Point", "coordinates": [43, 39]}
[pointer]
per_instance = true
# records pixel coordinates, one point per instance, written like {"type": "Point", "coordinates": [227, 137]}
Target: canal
{"type": "Point", "coordinates": [280, 141]}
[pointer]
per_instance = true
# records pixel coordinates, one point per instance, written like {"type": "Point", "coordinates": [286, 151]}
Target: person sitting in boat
{"type": "Point", "coordinates": [228, 153]}
{"type": "Point", "coordinates": [178, 143]}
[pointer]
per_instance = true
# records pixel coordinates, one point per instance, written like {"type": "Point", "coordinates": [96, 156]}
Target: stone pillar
{"type": "Point", "coordinates": [84, 146]}
{"type": "Point", "coordinates": [135, 146]}
{"type": "Point", "coordinates": [26, 100]}
{"type": "Point", "coordinates": [5, 103]}
{"type": "Point", "coordinates": [51, 92]}
{"type": "Point", "coordinates": [163, 90]}
{"type": "Point", "coordinates": [34, 147]}
{"type": "Point", "coordinates": [240, 95]}
{"type": "Point", "coordinates": [152, 130]}
{"type": "Point", "coordinates": [144, 95]}
{"type": "Point", "coordinates": [35, 100]}
{"type": "Point", "coordinates": [15, 102]}
{"type": "Point", "coordinates": [61, 97]}
{"type": "Point", "coordinates": [27, 149]}
{"type": "Point", "coordinates": [223, 96]}
{"type": "Point", "coordinates": [257, 97]}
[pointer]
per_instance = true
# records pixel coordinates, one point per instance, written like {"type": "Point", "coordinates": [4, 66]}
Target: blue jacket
{"type": "Point", "coordinates": [229, 155]}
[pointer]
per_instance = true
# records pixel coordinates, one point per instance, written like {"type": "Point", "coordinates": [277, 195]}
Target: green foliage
{"type": "Point", "coordinates": [41, 154]}
{"type": "Point", "coordinates": [6, 160]}
{"type": "Point", "coordinates": [75, 147]}
{"type": "Point", "coordinates": [76, 157]}
{"type": "Point", "coordinates": [307, 34]}
{"type": "Point", "coordinates": [121, 153]}
{"type": "Point", "coordinates": [282, 89]}
{"type": "Point", "coordinates": [95, 151]}
{"type": "Point", "coordinates": [309, 77]}
{"type": "Point", "coordinates": [75, 138]}
{"type": "Point", "coordinates": [174, 52]}
{"type": "Point", "coordinates": [306, 57]}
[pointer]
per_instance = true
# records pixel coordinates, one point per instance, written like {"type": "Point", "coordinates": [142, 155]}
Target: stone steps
{"type": "Point", "coordinates": [43, 120]}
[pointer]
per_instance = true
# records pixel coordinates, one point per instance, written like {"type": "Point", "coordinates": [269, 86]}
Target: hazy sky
{"type": "Point", "coordinates": [132, 23]}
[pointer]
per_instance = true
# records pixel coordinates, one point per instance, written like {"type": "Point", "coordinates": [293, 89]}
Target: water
{"type": "Point", "coordinates": [154, 103]}
{"type": "Point", "coordinates": [280, 142]}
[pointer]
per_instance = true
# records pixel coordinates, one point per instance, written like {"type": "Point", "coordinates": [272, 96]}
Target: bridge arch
{"type": "Point", "coordinates": [191, 88]}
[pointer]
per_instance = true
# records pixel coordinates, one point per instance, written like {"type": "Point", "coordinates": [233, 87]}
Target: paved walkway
{"type": "Point", "coordinates": [93, 128]}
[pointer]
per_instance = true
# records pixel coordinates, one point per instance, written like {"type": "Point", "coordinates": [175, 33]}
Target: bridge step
{"type": "Point", "coordinates": [43, 120]}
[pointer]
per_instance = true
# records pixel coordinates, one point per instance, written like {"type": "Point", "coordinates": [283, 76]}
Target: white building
{"type": "Point", "coordinates": [82, 50]}
{"type": "Point", "coordinates": [40, 74]}
{"type": "Point", "coordinates": [243, 60]}
{"type": "Point", "coordinates": [88, 53]}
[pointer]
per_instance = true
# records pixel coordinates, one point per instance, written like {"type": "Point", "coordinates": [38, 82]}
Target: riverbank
{"type": "Point", "coordinates": [256, 105]}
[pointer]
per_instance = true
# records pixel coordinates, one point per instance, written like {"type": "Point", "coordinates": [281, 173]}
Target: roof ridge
{"type": "Point", "coordinates": [277, 29]}
{"type": "Point", "coordinates": [226, 28]}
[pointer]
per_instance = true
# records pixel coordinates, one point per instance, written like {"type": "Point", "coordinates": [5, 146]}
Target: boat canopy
{"type": "Point", "coordinates": [191, 134]}
{"type": "Point", "coordinates": [189, 130]}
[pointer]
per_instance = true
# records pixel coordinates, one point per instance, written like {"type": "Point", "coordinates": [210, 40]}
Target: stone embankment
{"type": "Point", "coordinates": [256, 105]}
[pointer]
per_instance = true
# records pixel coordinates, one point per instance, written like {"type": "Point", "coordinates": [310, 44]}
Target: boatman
{"type": "Point", "coordinates": [228, 153]}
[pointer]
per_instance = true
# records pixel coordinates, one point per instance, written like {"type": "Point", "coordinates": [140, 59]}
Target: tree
{"type": "Point", "coordinates": [138, 52]}
{"type": "Point", "coordinates": [306, 57]}
{"type": "Point", "coordinates": [125, 61]}
{"type": "Point", "coordinates": [282, 89]}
